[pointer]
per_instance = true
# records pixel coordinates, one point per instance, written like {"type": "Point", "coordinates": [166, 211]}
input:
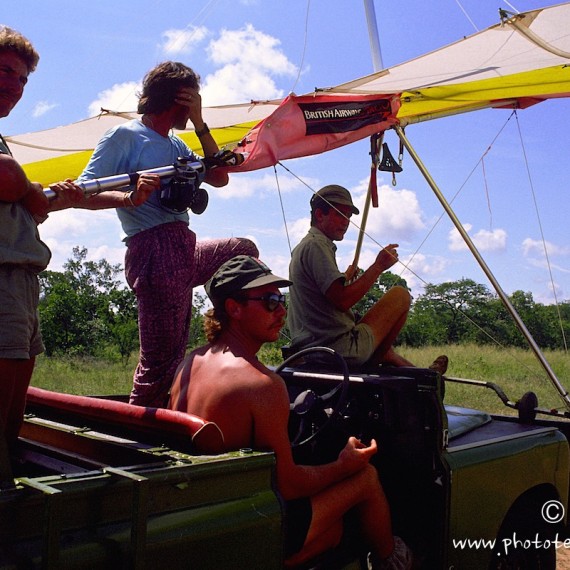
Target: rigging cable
{"type": "Point", "coordinates": [547, 257]}
{"type": "Point", "coordinates": [282, 209]}
{"type": "Point", "coordinates": [454, 197]}
{"type": "Point", "coordinates": [304, 48]}
{"type": "Point", "coordinates": [466, 15]}
{"type": "Point", "coordinates": [406, 264]}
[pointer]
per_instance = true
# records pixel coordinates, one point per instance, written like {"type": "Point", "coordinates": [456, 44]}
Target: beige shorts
{"type": "Point", "coordinates": [357, 345]}
{"type": "Point", "coordinates": [20, 335]}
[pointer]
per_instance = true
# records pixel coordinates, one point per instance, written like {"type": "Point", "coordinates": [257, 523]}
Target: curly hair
{"type": "Point", "coordinates": [162, 83]}
{"type": "Point", "coordinates": [11, 40]}
{"type": "Point", "coordinates": [214, 323]}
{"type": "Point", "coordinates": [216, 319]}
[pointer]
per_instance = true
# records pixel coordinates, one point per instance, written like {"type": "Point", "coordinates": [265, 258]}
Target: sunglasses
{"type": "Point", "coordinates": [271, 300]}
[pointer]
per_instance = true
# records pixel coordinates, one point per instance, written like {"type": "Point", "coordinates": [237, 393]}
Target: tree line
{"type": "Point", "coordinates": [86, 309]}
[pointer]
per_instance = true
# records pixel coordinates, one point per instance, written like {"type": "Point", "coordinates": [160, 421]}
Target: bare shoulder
{"type": "Point", "coordinates": [266, 375]}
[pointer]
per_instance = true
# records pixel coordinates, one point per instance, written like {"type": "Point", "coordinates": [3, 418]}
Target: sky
{"type": "Point", "coordinates": [507, 175]}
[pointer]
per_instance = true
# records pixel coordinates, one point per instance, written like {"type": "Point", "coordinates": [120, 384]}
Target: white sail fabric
{"type": "Point", "coordinates": [516, 63]}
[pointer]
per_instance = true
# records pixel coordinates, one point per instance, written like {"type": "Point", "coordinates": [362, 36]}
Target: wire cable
{"type": "Point", "coordinates": [546, 256]}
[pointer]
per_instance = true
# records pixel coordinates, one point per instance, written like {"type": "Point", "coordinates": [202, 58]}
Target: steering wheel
{"type": "Point", "coordinates": [309, 404]}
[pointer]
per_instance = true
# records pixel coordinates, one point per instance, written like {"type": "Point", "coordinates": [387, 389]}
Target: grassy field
{"type": "Point", "coordinates": [515, 371]}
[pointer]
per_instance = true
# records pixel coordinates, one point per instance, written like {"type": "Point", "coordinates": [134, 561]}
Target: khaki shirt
{"type": "Point", "coordinates": [313, 320]}
{"type": "Point", "coordinates": [20, 242]}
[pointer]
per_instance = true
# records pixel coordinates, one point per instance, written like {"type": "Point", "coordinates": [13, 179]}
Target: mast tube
{"type": "Point", "coordinates": [518, 321]}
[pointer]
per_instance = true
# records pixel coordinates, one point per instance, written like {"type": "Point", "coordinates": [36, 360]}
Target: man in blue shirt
{"type": "Point", "coordinates": [164, 261]}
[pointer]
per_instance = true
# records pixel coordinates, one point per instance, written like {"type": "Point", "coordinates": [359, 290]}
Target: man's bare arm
{"type": "Point", "coordinates": [146, 185]}
{"type": "Point", "coordinates": [14, 182]}
{"type": "Point", "coordinates": [271, 416]}
{"type": "Point", "coordinates": [345, 295]}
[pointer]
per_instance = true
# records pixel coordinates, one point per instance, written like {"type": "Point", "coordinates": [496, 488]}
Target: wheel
{"type": "Point", "coordinates": [309, 406]}
{"type": "Point", "coordinates": [535, 548]}
{"type": "Point", "coordinates": [521, 559]}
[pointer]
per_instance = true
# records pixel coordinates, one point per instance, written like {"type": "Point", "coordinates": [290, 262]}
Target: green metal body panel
{"type": "Point", "coordinates": [486, 479]}
{"type": "Point", "coordinates": [189, 512]}
{"type": "Point", "coordinates": [88, 497]}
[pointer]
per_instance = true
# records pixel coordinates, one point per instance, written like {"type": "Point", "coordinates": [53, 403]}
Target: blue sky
{"type": "Point", "coordinates": [95, 54]}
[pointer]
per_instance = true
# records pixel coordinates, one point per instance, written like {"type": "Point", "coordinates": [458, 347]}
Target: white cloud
{"type": "Point", "coordinates": [397, 217]}
{"type": "Point", "coordinates": [298, 229]}
{"type": "Point", "coordinates": [238, 83]}
{"type": "Point", "coordinates": [119, 97]}
{"type": "Point", "coordinates": [484, 240]}
{"type": "Point", "coordinates": [546, 295]}
{"type": "Point", "coordinates": [251, 46]}
{"type": "Point", "coordinates": [43, 107]}
{"type": "Point", "coordinates": [183, 41]}
{"type": "Point", "coordinates": [65, 229]}
{"type": "Point", "coordinates": [248, 60]}
{"type": "Point", "coordinates": [419, 269]}
{"type": "Point", "coordinates": [533, 247]}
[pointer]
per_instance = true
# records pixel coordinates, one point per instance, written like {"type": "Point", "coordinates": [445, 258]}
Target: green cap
{"type": "Point", "coordinates": [335, 194]}
{"type": "Point", "coordinates": [240, 273]}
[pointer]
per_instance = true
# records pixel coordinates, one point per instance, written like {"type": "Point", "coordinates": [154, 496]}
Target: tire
{"type": "Point", "coordinates": [524, 526]}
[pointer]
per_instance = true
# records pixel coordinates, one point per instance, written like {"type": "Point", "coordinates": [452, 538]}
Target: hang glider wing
{"type": "Point", "coordinates": [62, 152]}
{"type": "Point", "coordinates": [523, 60]}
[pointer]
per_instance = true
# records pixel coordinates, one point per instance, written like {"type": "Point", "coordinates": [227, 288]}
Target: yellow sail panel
{"type": "Point", "coordinates": [53, 170]}
{"type": "Point", "coordinates": [432, 102]}
{"type": "Point", "coordinates": [226, 136]}
{"type": "Point", "coordinates": [70, 165]}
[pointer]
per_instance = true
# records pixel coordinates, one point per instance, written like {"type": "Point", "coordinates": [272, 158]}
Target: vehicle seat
{"type": "Point", "coordinates": [181, 431]}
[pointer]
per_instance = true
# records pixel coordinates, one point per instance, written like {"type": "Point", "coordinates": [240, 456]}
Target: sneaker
{"type": "Point", "coordinates": [400, 559]}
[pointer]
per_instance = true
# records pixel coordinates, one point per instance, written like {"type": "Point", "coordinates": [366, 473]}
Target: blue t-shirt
{"type": "Point", "coordinates": [132, 147]}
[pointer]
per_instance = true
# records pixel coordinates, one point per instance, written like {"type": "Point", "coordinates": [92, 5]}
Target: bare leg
{"type": "Point", "coordinates": [15, 376]}
{"type": "Point", "coordinates": [386, 319]}
{"type": "Point", "coordinates": [363, 492]}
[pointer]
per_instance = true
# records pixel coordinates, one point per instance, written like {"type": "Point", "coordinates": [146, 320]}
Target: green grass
{"type": "Point", "coordinates": [516, 371]}
{"type": "Point", "coordinates": [82, 375]}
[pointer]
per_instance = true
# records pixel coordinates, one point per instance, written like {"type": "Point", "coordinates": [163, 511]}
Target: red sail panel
{"type": "Point", "coordinates": [311, 124]}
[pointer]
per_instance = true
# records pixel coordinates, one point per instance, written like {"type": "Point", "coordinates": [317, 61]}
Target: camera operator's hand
{"type": "Point", "coordinates": [192, 100]}
{"type": "Point", "coordinates": [146, 185]}
{"type": "Point", "coordinates": [224, 158]}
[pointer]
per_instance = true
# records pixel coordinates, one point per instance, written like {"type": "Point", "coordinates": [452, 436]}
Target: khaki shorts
{"type": "Point", "coordinates": [357, 345]}
{"type": "Point", "coordinates": [20, 335]}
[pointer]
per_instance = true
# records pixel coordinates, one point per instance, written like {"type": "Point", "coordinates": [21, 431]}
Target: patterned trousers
{"type": "Point", "coordinates": [162, 266]}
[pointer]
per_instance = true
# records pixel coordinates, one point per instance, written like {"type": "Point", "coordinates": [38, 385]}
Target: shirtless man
{"type": "Point", "coordinates": [224, 382]}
